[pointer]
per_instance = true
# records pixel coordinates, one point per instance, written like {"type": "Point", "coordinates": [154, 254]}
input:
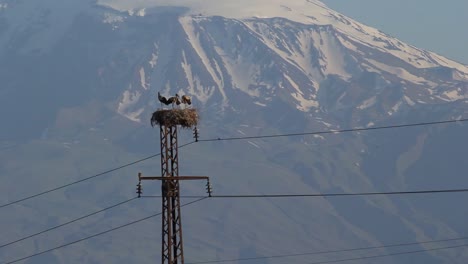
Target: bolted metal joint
{"type": "Point", "coordinates": [168, 188]}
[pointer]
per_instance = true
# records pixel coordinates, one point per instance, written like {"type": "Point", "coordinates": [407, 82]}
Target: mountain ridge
{"type": "Point", "coordinates": [304, 11]}
{"type": "Point", "coordinates": [313, 53]}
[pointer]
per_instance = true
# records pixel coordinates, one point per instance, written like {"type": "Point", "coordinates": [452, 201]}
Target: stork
{"type": "Point", "coordinates": [171, 100]}
{"type": "Point", "coordinates": [186, 99]}
{"type": "Point", "coordinates": [162, 99]}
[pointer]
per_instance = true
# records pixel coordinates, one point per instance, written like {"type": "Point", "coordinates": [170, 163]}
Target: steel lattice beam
{"type": "Point", "coordinates": [172, 246]}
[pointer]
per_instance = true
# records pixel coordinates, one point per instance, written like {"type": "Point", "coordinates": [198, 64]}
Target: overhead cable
{"type": "Point", "coordinates": [95, 235]}
{"type": "Point", "coordinates": [66, 223]}
{"type": "Point", "coordinates": [85, 179]}
{"type": "Point", "coordinates": [236, 138]}
{"type": "Point", "coordinates": [333, 251]}
{"type": "Point", "coordinates": [337, 131]}
{"type": "Point", "coordinates": [340, 194]}
{"type": "Point", "coordinates": [320, 194]}
{"type": "Point", "coordinates": [389, 254]}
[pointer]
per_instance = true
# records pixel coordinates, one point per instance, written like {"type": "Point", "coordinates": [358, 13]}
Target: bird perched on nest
{"type": "Point", "coordinates": [172, 100]}
{"type": "Point", "coordinates": [185, 99]}
{"type": "Point", "coordinates": [162, 99]}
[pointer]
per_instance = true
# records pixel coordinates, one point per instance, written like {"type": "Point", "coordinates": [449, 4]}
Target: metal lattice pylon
{"type": "Point", "coordinates": [172, 251]}
{"type": "Point", "coordinates": [172, 246]}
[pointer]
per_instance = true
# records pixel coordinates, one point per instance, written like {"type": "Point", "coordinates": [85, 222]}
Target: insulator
{"type": "Point", "coordinates": [139, 189]}
{"type": "Point", "coordinates": [209, 188]}
{"type": "Point", "coordinates": [195, 134]}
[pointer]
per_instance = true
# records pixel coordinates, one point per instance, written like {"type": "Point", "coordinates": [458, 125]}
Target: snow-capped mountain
{"type": "Point", "coordinates": [211, 49]}
{"type": "Point", "coordinates": [78, 83]}
{"type": "Point", "coordinates": [283, 47]}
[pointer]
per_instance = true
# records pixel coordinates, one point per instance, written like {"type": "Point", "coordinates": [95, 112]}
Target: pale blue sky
{"type": "Point", "coordinates": [436, 25]}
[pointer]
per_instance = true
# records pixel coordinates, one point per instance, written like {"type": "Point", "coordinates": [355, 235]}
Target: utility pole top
{"type": "Point", "coordinates": [186, 118]}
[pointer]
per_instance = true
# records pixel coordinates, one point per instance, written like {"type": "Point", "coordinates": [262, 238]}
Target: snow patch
{"type": "Point", "coordinates": [459, 76]}
{"type": "Point", "coordinates": [195, 88]}
{"type": "Point", "coordinates": [349, 45]}
{"type": "Point", "coordinates": [143, 79]}
{"type": "Point", "coordinates": [213, 70]}
{"type": "Point", "coordinates": [110, 18]}
{"type": "Point", "coordinates": [450, 64]}
{"type": "Point", "coordinates": [454, 95]}
{"type": "Point", "coordinates": [319, 137]}
{"type": "Point", "coordinates": [154, 60]}
{"type": "Point", "coordinates": [242, 73]}
{"type": "Point", "coordinates": [409, 101]}
{"type": "Point", "coordinates": [231, 9]}
{"type": "Point", "coordinates": [253, 144]}
{"type": "Point", "coordinates": [141, 12]}
{"type": "Point", "coordinates": [396, 107]}
{"type": "Point", "coordinates": [240, 132]}
{"type": "Point", "coordinates": [368, 103]}
{"type": "Point", "coordinates": [304, 104]}
{"type": "Point", "coordinates": [401, 73]}
{"type": "Point", "coordinates": [130, 99]}
{"type": "Point", "coordinates": [137, 12]}
{"type": "Point", "coordinates": [333, 61]}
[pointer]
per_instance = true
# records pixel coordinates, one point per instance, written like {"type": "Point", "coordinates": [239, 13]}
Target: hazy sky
{"type": "Point", "coordinates": [436, 25]}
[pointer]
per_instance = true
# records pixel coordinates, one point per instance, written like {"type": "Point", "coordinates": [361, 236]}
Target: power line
{"type": "Point", "coordinates": [336, 131]}
{"type": "Point", "coordinates": [339, 194]}
{"type": "Point", "coordinates": [95, 235]}
{"type": "Point", "coordinates": [67, 223]}
{"type": "Point", "coordinates": [85, 179]}
{"type": "Point", "coordinates": [235, 138]}
{"type": "Point", "coordinates": [390, 254]}
{"type": "Point", "coordinates": [246, 196]}
{"type": "Point", "coordinates": [323, 194]}
{"type": "Point", "coordinates": [332, 251]}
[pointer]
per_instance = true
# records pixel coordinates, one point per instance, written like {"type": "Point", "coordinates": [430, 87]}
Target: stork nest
{"type": "Point", "coordinates": [186, 118]}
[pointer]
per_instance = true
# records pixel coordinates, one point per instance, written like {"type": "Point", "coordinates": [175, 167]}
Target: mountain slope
{"type": "Point", "coordinates": [313, 44]}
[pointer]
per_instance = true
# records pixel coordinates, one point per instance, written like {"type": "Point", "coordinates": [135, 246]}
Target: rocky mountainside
{"type": "Point", "coordinates": [78, 83]}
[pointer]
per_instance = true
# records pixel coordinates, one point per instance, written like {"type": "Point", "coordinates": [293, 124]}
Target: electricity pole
{"type": "Point", "coordinates": [172, 251]}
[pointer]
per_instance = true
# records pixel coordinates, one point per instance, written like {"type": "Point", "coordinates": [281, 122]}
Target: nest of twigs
{"type": "Point", "coordinates": [186, 118]}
